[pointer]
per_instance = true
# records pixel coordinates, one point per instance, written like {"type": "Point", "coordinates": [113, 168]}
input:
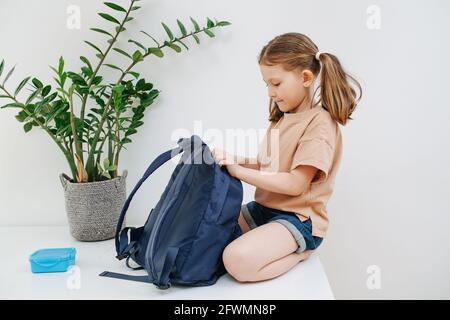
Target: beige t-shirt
{"type": "Point", "coordinates": [310, 137]}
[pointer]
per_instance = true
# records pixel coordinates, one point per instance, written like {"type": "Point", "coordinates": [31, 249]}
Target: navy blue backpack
{"type": "Point", "coordinates": [186, 232]}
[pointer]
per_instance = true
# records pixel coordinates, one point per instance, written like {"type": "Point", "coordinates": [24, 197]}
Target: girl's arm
{"type": "Point", "coordinates": [291, 183]}
{"type": "Point", "coordinates": [250, 163]}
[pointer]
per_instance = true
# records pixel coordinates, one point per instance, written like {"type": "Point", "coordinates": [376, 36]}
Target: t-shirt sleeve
{"type": "Point", "coordinates": [315, 149]}
{"type": "Point", "coordinates": [262, 146]}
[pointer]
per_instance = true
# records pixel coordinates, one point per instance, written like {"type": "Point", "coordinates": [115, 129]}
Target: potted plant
{"type": "Point", "coordinates": [91, 119]}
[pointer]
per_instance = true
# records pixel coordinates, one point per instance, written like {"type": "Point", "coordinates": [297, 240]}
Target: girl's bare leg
{"type": "Point", "coordinates": [262, 253]}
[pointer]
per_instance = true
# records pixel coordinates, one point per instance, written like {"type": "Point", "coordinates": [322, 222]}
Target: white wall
{"type": "Point", "coordinates": [389, 206]}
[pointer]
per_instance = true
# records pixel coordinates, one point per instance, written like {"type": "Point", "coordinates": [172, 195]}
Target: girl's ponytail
{"type": "Point", "coordinates": [336, 93]}
{"type": "Point", "coordinates": [296, 51]}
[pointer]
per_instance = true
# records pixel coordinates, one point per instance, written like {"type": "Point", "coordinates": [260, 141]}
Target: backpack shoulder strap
{"type": "Point", "coordinates": [122, 238]}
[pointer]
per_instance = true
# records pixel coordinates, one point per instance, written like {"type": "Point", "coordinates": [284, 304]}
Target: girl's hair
{"type": "Point", "coordinates": [297, 51]}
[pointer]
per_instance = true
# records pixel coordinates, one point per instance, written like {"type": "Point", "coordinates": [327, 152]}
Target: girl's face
{"type": "Point", "coordinates": [291, 90]}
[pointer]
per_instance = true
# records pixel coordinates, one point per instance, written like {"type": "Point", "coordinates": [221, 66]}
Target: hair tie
{"type": "Point", "coordinates": [318, 55]}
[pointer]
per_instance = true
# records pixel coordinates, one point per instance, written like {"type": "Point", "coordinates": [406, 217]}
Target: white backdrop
{"type": "Point", "coordinates": [388, 209]}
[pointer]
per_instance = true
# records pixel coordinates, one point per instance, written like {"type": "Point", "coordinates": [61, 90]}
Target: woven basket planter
{"type": "Point", "coordinates": [93, 208]}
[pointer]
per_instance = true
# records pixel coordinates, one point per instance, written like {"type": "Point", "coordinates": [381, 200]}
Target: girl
{"type": "Point", "coordinates": [288, 219]}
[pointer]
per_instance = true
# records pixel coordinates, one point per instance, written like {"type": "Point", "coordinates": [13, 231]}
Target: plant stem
{"type": "Point", "coordinates": [85, 96]}
{"type": "Point", "coordinates": [119, 148]}
{"type": "Point", "coordinates": [78, 149]}
{"type": "Point", "coordinates": [101, 148]}
{"type": "Point", "coordinates": [89, 162]}
{"type": "Point", "coordinates": [69, 159]}
{"type": "Point", "coordinates": [110, 144]}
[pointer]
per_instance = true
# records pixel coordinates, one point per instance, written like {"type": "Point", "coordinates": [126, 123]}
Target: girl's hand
{"type": "Point", "coordinates": [233, 170]}
{"type": "Point", "coordinates": [222, 157]}
{"type": "Point", "coordinates": [228, 160]}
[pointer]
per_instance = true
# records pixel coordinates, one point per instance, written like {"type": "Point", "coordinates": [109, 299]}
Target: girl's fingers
{"type": "Point", "coordinates": [223, 162]}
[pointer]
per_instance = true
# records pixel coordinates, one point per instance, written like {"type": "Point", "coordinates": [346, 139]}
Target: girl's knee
{"type": "Point", "coordinates": [236, 260]}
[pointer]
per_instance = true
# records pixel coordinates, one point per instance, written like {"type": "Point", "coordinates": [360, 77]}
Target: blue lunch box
{"type": "Point", "coordinates": [52, 260]}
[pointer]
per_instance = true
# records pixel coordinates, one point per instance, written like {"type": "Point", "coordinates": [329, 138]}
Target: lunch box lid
{"type": "Point", "coordinates": [53, 255]}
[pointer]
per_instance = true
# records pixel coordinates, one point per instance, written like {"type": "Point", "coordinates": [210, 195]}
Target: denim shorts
{"type": "Point", "coordinates": [256, 215]}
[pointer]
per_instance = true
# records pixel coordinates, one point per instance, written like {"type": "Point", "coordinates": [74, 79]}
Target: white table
{"type": "Point", "coordinates": [307, 280]}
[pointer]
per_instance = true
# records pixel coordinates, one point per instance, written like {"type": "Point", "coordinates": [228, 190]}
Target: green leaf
{"type": "Point", "coordinates": [86, 61]}
{"type": "Point", "coordinates": [138, 44]}
{"type": "Point", "coordinates": [109, 18]}
{"type": "Point", "coordinates": [13, 105]}
{"type": "Point", "coordinates": [140, 85]}
{"type": "Point", "coordinates": [21, 85]}
{"type": "Point", "coordinates": [148, 86]}
{"type": "Point", "coordinates": [134, 74]}
{"type": "Point", "coordinates": [223, 23]}
{"type": "Point", "coordinates": [99, 166]}
{"type": "Point", "coordinates": [40, 119]}
{"type": "Point", "coordinates": [174, 47]}
{"type": "Point", "coordinates": [168, 31]}
{"type": "Point", "coordinates": [210, 23]}
{"type": "Point", "coordinates": [94, 46]}
{"type": "Point", "coordinates": [106, 174]}
{"type": "Point", "coordinates": [76, 78]}
{"type": "Point", "coordinates": [99, 101]}
{"type": "Point", "coordinates": [125, 140]}
{"type": "Point", "coordinates": [86, 71]}
{"type": "Point", "coordinates": [153, 94]}
{"type": "Point", "coordinates": [209, 33]}
{"type": "Point", "coordinates": [33, 96]}
{"type": "Point", "coordinates": [41, 104]}
{"type": "Point", "coordinates": [182, 27]}
{"type": "Point", "coordinates": [183, 44]}
{"type": "Point", "coordinates": [130, 132]}
{"type": "Point", "coordinates": [37, 83]}
{"type": "Point", "coordinates": [46, 90]}
{"type": "Point", "coordinates": [197, 28]}
{"type": "Point", "coordinates": [135, 8]}
{"type": "Point", "coordinates": [112, 66]}
{"type": "Point", "coordinates": [58, 108]}
{"type": "Point", "coordinates": [61, 65]}
{"type": "Point", "coordinates": [97, 80]}
{"type": "Point", "coordinates": [63, 79]}
{"type": "Point", "coordinates": [115, 6]}
{"type": "Point", "coordinates": [21, 116]}
{"type": "Point", "coordinates": [28, 126]}
{"type": "Point", "coordinates": [8, 75]}
{"type": "Point", "coordinates": [150, 37]}
{"type": "Point", "coordinates": [2, 65]}
{"type": "Point", "coordinates": [129, 19]}
{"type": "Point", "coordinates": [121, 29]}
{"type": "Point", "coordinates": [137, 124]}
{"type": "Point", "coordinates": [100, 56]}
{"type": "Point", "coordinates": [196, 38]}
{"type": "Point", "coordinates": [122, 52]}
{"type": "Point", "coordinates": [137, 56]}
{"type": "Point", "coordinates": [106, 163]}
{"type": "Point", "coordinates": [102, 31]}
{"type": "Point", "coordinates": [156, 51]}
